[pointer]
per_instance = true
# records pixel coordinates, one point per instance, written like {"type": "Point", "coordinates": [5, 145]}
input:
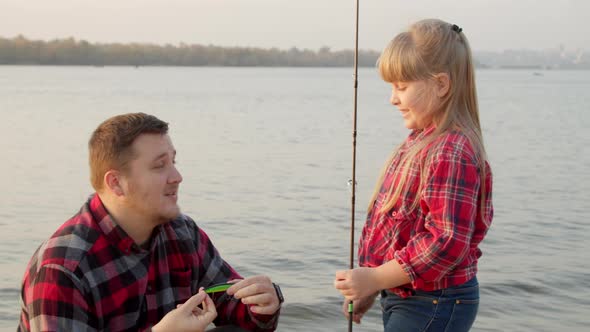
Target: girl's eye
{"type": "Point", "coordinates": [398, 87]}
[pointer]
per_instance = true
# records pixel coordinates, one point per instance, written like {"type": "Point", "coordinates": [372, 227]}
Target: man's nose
{"type": "Point", "coordinates": [176, 176]}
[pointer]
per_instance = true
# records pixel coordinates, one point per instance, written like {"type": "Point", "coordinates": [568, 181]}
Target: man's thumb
{"type": "Point", "coordinates": [193, 302]}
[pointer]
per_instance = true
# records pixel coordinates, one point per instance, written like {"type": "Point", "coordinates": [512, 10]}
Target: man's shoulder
{"type": "Point", "coordinates": [70, 243]}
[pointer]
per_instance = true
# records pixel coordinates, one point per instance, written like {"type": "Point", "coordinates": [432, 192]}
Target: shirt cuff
{"type": "Point", "coordinates": [402, 259]}
{"type": "Point", "coordinates": [265, 321]}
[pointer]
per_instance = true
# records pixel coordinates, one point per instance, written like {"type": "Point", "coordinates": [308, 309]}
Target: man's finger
{"type": "Point", "coordinates": [209, 305]}
{"type": "Point", "coordinates": [253, 289]}
{"type": "Point", "coordinates": [259, 299]}
{"type": "Point", "coordinates": [193, 302]}
{"type": "Point", "coordinates": [239, 285]}
{"type": "Point", "coordinates": [209, 311]}
{"type": "Point", "coordinates": [247, 282]}
{"type": "Point", "coordinates": [264, 310]}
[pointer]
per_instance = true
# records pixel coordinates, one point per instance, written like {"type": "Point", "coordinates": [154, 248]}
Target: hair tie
{"type": "Point", "coordinates": [456, 28]}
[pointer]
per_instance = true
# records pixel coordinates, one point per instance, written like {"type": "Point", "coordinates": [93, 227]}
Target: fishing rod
{"type": "Point", "coordinates": [353, 180]}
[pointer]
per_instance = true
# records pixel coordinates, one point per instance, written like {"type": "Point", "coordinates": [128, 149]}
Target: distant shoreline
{"type": "Point", "coordinates": [71, 52]}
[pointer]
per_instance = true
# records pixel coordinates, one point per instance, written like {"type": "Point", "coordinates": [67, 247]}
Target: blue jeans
{"type": "Point", "coordinates": [451, 309]}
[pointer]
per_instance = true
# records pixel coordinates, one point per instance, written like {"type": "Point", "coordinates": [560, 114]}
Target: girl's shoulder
{"type": "Point", "coordinates": [452, 145]}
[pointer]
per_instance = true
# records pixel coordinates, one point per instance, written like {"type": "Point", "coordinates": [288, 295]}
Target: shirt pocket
{"type": "Point", "coordinates": [180, 283]}
{"type": "Point", "coordinates": [392, 232]}
{"type": "Point", "coordinates": [402, 224]}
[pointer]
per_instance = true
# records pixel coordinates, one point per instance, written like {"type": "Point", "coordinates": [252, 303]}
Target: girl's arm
{"type": "Point", "coordinates": [365, 281]}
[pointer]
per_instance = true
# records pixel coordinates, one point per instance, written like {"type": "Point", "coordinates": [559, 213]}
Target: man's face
{"type": "Point", "coordinates": [152, 180]}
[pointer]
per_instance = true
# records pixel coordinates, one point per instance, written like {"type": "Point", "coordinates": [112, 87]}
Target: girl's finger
{"type": "Point", "coordinates": [341, 284]}
{"type": "Point", "coordinates": [341, 274]}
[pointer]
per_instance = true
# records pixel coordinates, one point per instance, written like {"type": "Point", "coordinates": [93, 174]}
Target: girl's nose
{"type": "Point", "coordinates": [394, 100]}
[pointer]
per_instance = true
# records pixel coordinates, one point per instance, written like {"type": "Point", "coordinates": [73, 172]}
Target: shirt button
{"type": "Point", "coordinates": [149, 288]}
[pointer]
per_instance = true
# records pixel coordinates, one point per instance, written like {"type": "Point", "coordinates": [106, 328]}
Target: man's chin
{"type": "Point", "coordinates": [170, 215]}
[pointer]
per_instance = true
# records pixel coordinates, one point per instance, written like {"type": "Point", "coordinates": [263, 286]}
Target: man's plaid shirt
{"type": "Point", "coordinates": [91, 276]}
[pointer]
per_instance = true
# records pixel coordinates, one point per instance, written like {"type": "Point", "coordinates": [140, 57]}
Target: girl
{"type": "Point", "coordinates": [432, 205]}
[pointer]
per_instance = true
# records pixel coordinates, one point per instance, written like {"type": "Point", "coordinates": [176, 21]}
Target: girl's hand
{"type": "Point", "coordinates": [188, 316]}
{"type": "Point", "coordinates": [357, 283]}
{"type": "Point", "coordinates": [359, 307]}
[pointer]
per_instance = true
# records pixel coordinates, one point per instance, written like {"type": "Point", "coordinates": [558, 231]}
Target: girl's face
{"type": "Point", "coordinates": [414, 102]}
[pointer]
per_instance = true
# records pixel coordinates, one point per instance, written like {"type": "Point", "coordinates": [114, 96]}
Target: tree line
{"type": "Point", "coordinates": [22, 51]}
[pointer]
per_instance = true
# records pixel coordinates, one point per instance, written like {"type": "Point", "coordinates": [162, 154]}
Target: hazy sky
{"type": "Point", "coordinates": [489, 24]}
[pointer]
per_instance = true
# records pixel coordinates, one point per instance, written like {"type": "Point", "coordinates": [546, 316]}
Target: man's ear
{"type": "Point", "coordinates": [443, 84]}
{"type": "Point", "coordinates": [112, 181]}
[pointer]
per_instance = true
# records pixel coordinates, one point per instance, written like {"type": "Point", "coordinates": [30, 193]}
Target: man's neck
{"type": "Point", "coordinates": [135, 225]}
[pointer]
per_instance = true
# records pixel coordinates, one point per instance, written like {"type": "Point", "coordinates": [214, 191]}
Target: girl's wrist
{"type": "Point", "coordinates": [380, 277]}
{"type": "Point", "coordinates": [390, 275]}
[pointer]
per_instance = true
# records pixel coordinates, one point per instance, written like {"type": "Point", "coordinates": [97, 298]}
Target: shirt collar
{"type": "Point", "coordinates": [418, 134]}
{"type": "Point", "coordinates": [113, 232]}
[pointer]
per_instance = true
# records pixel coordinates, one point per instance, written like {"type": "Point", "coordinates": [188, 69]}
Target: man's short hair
{"type": "Point", "coordinates": [109, 146]}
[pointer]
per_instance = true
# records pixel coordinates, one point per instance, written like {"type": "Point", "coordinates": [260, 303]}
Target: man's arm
{"type": "Point", "coordinates": [243, 309]}
{"type": "Point", "coordinates": [54, 302]}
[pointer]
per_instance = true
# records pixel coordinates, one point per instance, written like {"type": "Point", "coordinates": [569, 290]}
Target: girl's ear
{"type": "Point", "coordinates": [443, 84]}
{"type": "Point", "coordinates": [112, 181]}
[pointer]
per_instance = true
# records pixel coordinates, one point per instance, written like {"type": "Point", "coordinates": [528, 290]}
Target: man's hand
{"type": "Point", "coordinates": [188, 316]}
{"type": "Point", "coordinates": [259, 292]}
{"type": "Point", "coordinates": [357, 283]}
{"type": "Point", "coordinates": [359, 307]}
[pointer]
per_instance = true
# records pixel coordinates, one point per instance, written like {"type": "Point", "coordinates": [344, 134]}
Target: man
{"type": "Point", "coordinates": [129, 260]}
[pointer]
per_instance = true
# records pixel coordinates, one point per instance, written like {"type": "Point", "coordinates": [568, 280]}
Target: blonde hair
{"type": "Point", "coordinates": [431, 47]}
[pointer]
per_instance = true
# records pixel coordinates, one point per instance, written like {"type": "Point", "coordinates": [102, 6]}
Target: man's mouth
{"type": "Point", "coordinates": [171, 193]}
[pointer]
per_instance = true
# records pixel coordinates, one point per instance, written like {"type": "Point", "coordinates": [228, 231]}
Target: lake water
{"type": "Point", "coordinates": [266, 156]}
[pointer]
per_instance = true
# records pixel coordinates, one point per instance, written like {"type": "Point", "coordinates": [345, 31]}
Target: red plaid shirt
{"type": "Point", "coordinates": [90, 275]}
{"type": "Point", "coordinates": [437, 243]}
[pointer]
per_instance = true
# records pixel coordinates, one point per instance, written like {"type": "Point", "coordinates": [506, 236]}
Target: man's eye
{"type": "Point", "coordinates": [161, 165]}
